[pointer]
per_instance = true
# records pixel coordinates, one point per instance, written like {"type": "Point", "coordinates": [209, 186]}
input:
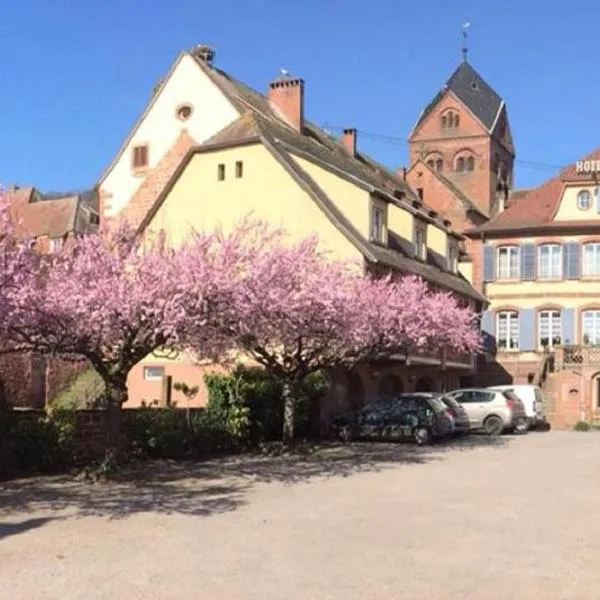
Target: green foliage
{"type": "Point", "coordinates": [250, 401]}
{"type": "Point", "coordinates": [83, 391]}
{"type": "Point", "coordinates": [582, 426]}
{"type": "Point", "coordinates": [35, 443]}
{"type": "Point", "coordinates": [175, 433]}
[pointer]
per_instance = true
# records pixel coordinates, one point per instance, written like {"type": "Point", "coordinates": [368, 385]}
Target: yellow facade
{"type": "Point", "coordinates": [569, 208]}
{"type": "Point", "coordinates": [199, 201]}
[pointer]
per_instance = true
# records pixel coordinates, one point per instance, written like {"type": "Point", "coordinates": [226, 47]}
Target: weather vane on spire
{"type": "Point", "coordinates": [464, 35]}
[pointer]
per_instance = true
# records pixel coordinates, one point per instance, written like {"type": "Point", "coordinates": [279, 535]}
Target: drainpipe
{"type": "Point", "coordinates": [582, 416]}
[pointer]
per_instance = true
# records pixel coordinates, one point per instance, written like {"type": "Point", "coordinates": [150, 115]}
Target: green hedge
{"type": "Point", "coordinates": [35, 443]}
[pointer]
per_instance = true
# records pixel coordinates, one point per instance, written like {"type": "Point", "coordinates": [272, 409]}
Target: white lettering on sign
{"type": "Point", "coordinates": [587, 166]}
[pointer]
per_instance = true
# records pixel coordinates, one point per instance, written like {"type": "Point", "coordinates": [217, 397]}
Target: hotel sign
{"type": "Point", "coordinates": [587, 166]}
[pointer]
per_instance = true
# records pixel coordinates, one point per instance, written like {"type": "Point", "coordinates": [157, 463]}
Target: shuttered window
{"type": "Point", "coordinates": [508, 262]}
{"type": "Point", "coordinates": [550, 261]}
{"type": "Point", "coordinates": [507, 330]}
{"type": "Point", "coordinates": [549, 328]}
{"type": "Point", "coordinates": [591, 259]}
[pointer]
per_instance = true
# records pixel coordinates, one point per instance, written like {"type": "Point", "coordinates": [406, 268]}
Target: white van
{"type": "Point", "coordinates": [533, 399]}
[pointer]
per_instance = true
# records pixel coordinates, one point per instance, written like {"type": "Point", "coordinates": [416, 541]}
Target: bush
{"type": "Point", "coordinates": [582, 426]}
{"type": "Point", "coordinates": [35, 443]}
{"type": "Point", "coordinates": [177, 433]}
{"type": "Point", "coordinates": [250, 401]}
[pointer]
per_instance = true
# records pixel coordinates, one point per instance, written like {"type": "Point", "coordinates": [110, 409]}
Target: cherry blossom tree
{"type": "Point", "coordinates": [295, 311]}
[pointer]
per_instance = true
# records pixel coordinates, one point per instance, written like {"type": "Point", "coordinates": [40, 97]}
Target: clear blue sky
{"type": "Point", "coordinates": [74, 75]}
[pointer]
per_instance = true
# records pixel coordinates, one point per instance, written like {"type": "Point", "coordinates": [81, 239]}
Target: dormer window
{"type": "Point", "coordinates": [420, 240]}
{"type": "Point", "coordinates": [584, 200]}
{"type": "Point", "coordinates": [378, 223]}
{"type": "Point", "coordinates": [452, 256]}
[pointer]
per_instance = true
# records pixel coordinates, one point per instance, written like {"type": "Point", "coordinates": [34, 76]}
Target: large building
{"type": "Point", "coordinates": [461, 150]}
{"type": "Point", "coordinates": [538, 263]}
{"type": "Point", "coordinates": [211, 151]}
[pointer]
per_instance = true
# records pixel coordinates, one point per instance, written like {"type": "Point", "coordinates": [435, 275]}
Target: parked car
{"type": "Point", "coordinates": [533, 399]}
{"type": "Point", "coordinates": [494, 411]}
{"type": "Point", "coordinates": [459, 414]}
{"type": "Point", "coordinates": [421, 418]}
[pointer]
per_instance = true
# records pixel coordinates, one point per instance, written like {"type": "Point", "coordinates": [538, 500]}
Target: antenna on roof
{"type": "Point", "coordinates": [465, 49]}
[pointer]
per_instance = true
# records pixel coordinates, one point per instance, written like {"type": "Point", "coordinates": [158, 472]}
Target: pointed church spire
{"type": "Point", "coordinates": [465, 49]}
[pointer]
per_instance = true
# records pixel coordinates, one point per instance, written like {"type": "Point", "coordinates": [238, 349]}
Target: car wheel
{"type": "Point", "coordinates": [493, 425]}
{"type": "Point", "coordinates": [422, 436]}
{"type": "Point", "coordinates": [346, 434]}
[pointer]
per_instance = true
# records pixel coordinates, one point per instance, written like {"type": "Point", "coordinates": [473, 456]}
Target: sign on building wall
{"type": "Point", "coordinates": [587, 166]}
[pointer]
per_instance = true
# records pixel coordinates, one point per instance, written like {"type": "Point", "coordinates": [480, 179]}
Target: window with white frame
{"type": "Point", "coordinates": [550, 261]}
{"type": "Point", "coordinates": [54, 245]}
{"type": "Point", "coordinates": [508, 262]}
{"type": "Point", "coordinates": [420, 242]}
{"type": "Point", "coordinates": [507, 330]}
{"type": "Point", "coordinates": [591, 259]}
{"type": "Point", "coordinates": [377, 222]}
{"type": "Point", "coordinates": [549, 328]}
{"type": "Point", "coordinates": [153, 373]}
{"type": "Point", "coordinates": [591, 327]}
{"type": "Point", "coordinates": [584, 200]}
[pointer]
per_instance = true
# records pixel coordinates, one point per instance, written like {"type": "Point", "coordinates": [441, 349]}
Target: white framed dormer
{"type": "Point", "coordinates": [160, 124]}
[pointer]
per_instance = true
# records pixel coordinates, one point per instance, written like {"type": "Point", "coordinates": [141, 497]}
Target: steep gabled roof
{"type": "Point", "coordinates": [474, 92]}
{"type": "Point", "coordinates": [535, 208]}
{"type": "Point", "coordinates": [37, 216]}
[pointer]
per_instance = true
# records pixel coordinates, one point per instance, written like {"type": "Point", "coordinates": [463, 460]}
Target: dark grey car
{"type": "Point", "coordinates": [418, 417]}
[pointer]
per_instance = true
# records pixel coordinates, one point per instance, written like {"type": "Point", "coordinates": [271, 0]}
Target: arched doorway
{"type": "Point", "coordinates": [356, 390]}
{"type": "Point", "coordinates": [424, 384]}
{"type": "Point", "coordinates": [390, 384]}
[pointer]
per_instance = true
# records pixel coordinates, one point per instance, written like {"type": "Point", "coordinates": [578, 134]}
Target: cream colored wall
{"type": "Point", "coordinates": [437, 239]}
{"type": "Point", "coordinates": [351, 200]}
{"type": "Point", "coordinates": [198, 201]}
{"type": "Point", "coordinates": [466, 270]}
{"type": "Point", "coordinates": [400, 221]}
{"type": "Point", "coordinates": [160, 128]}
{"type": "Point", "coordinates": [568, 209]}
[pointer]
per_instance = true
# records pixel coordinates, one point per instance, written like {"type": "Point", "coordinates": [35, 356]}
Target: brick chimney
{"type": "Point", "coordinates": [286, 96]}
{"type": "Point", "coordinates": [349, 140]}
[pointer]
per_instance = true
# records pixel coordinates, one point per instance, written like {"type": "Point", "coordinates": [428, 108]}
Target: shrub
{"type": "Point", "coordinates": [582, 426]}
{"type": "Point", "coordinates": [35, 443]}
{"type": "Point", "coordinates": [250, 400]}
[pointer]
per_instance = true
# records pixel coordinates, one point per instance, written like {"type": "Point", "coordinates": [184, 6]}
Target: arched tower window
{"type": "Point", "coordinates": [439, 165]}
{"type": "Point", "coordinates": [470, 163]}
{"type": "Point", "coordinates": [460, 164]}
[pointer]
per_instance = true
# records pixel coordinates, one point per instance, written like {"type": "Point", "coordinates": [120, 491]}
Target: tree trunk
{"type": "Point", "coordinates": [116, 395]}
{"type": "Point", "coordinates": [289, 411]}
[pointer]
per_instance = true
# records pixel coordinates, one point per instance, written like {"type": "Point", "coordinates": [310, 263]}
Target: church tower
{"type": "Point", "coordinates": [463, 136]}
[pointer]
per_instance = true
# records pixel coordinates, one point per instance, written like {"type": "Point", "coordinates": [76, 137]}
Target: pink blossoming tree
{"type": "Point", "coordinates": [295, 311]}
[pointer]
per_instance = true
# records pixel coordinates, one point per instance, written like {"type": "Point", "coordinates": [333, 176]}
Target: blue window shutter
{"type": "Point", "coordinates": [571, 260]}
{"type": "Point", "coordinates": [568, 325]}
{"type": "Point", "coordinates": [489, 262]}
{"type": "Point", "coordinates": [597, 194]}
{"type": "Point", "coordinates": [487, 330]}
{"type": "Point", "coordinates": [527, 262]}
{"type": "Point", "coordinates": [527, 329]}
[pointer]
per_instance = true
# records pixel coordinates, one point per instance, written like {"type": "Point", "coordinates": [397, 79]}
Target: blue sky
{"type": "Point", "coordinates": [75, 75]}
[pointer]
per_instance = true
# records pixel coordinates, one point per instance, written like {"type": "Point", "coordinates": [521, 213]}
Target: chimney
{"type": "Point", "coordinates": [286, 96]}
{"type": "Point", "coordinates": [349, 141]}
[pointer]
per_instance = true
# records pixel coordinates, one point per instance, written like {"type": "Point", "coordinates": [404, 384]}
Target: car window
{"type": "Point", "coordinates": [463, 397]}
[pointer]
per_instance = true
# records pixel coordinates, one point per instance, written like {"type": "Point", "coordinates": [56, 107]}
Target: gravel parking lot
{"type": "Point", "coordinates": [514, 517]}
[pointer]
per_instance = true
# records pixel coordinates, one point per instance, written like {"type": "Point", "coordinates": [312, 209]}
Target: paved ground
{"type": "Point", "coordinates": [514, 519]}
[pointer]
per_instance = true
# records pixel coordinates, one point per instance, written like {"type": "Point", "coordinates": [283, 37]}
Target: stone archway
{"type": "Point", "coordinates": [356, 390]}
{"type": "Point", "coordinates": [390, 384]}
{"type": "Point", "coordinates": [424, 384]}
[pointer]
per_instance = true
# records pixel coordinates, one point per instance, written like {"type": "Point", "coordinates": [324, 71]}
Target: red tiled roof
{"type": "Point", "coordinates": [35, 217]}
{"type": "Point", "coordinates": [536, 207]}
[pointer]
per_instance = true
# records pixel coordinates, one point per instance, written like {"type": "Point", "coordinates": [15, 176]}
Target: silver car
{"type": "Point", "coordinates": [493, 411]}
